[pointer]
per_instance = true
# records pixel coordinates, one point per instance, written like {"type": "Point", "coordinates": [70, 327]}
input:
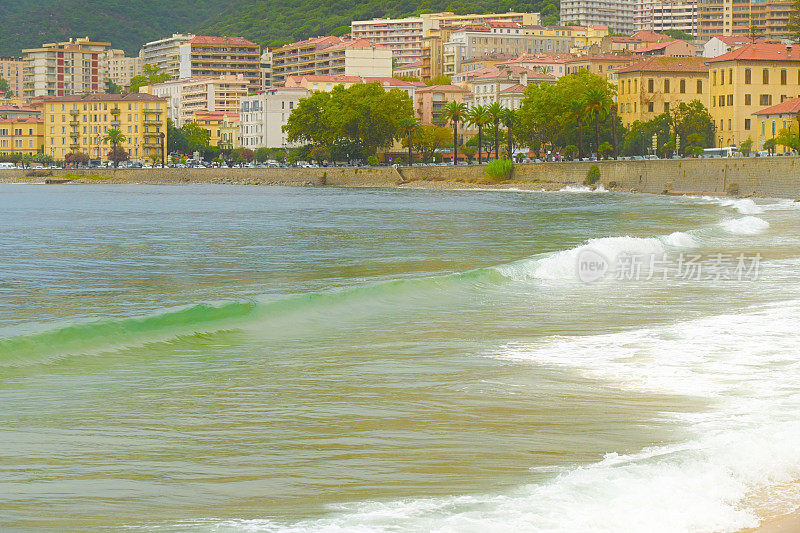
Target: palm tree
{"type": "Point", "coordinates": [454, 112]}
{"type": "Point", "coordinates": [597, 104]}
{"type": "Point", "coordinates": [115, 137]}
{"type": "Point", "coordinates": [479, 116]}
{"type": "Point", "coordinates": [577, 109]}
{"type": "Point", "coordinates": [495, 111]}
{"type": "Point", "coordinates": [408, 127]}
{"type": "Point", "coordinates": [509, 119]}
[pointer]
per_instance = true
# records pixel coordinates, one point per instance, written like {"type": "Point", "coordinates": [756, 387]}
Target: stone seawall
{"type": "Point", "coordinates": [766, 176]}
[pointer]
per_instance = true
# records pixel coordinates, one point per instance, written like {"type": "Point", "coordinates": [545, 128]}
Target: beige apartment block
{"type": "Point", "coordinates": [658, 85]}
{"type": "Point", "coordinates": [185, 97]}
{"type": "Point", "coordinates": [11, 71]}
{"type": "Point", "coordinates": [769, 18]}
{"type": "Point", "coordinates": [662, 15]}
{"type": "Point", "coordinates": [221, 56]}
{"type": "Point", "coordinates": [164, 54]}
{"type": "Point", "coordinates": [119, 68]}
{"type": "Point", "coordinates": [61, 69]}
{"type": "Point", "coordinates": [330, 56]}
{"type": "Point", "coordinates": [617, 15]}
{"type": "Point", "coordinates": [264, 114]}
{"type": "Point", "coordinates": [78, 123]}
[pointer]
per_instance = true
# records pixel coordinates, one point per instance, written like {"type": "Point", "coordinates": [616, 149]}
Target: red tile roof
{"type": "Point", "coordinates": [760, 51]}
{"type": "Point", "coordinates": [514, 89]}
{"type": "Point", "coordinates": [442, 88]}
{"type": "Point", "coordinates": [667, 64]}
{"type": "Point", "coordinates": [787, 107]}
{"type": "Point", "coordinates": [649, 36]}
{"type": "Point", "coordinates": [208, 39]}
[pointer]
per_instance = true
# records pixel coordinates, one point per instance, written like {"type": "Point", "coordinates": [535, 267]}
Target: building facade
{"type": "Point", "coordinates": [21, 135]}
{"type": "Point", "coordinates": [746, 80]}
{"type": "Point", "coordinates": [263, 116]}
{"type": "Point", "coordinates": [221, 56]}
{"type": "Point", "coordinates": [771, 120]}
{"type": "Point", "coordinates": [618, 15]}
{"type": "Point", "coordinates": [224, 128]}
{"type": "Point", "coordinates": [186, 97]}
{"type": "Point", "coordinates": [165, 53]}
{"type": "Point", "coordinates": [430, 101]}
{"type": "Point", "coordinates": [11, 71]}
{"type": "Point", "coordinates": [118, 68]}
{"type": "Point", "coordinates": [662, 15]}
{"type": "Point", "coordinates": [768, 18]}
{"type": "Point", "coordinates": [658, 85]}
{"type": "Point", "coordinates": [330, 56]}
{"type": "Point", "coordinates": [61, 69]}
{"type": "Point", "coordinates": [78, 123]}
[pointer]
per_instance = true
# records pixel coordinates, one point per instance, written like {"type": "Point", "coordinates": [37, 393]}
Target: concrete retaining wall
{"type": "Point", "coordinates": [765, 176]}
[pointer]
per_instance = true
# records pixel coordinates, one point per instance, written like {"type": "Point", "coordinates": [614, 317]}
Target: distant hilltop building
{"type": "Point", "coordinates": [618, 15]}
{"type": "Point", "coordinates": [165, 53]}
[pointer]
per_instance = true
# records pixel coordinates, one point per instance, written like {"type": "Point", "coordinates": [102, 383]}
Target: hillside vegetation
{"type": "Point", "coordinates": [129, 24]}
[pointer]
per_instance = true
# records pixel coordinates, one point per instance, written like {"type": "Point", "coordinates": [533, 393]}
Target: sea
{"type": "Point", "coordinates": [230, 358]}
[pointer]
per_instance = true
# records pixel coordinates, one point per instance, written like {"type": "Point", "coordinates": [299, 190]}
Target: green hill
{"type": "Point", "coordinates": [129, 24]}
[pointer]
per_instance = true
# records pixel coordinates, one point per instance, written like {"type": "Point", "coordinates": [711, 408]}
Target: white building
{"type": "Point", "coordinates": [263, 115]}
{"type": "Point", "coordinates": [165, 53]}
{"type": "Point", "coordinates": [618, 15]}
{"type": "Point", "coordinates": [662, 15]}
{"type": "Point", "coordinates": [722, 44]}
{"type": "Point", "coordinates": [188, 95]}
{"type": "Point", "coordinates": [119, 68]}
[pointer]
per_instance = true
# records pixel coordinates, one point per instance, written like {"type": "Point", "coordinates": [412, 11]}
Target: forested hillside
{"type": "Point", "coordinates": [127, 24]}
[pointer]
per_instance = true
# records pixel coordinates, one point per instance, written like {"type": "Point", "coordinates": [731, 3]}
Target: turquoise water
{"type": "Point", "coordinates": [283, 359]}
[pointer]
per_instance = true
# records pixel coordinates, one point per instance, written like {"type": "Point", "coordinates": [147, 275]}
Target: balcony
{"type": "Point", "coordinates": [115, 111]}
{"type": "Point", "coordinates": [74, 123]}
{"type": "Point", "coordinates": [74, 112]}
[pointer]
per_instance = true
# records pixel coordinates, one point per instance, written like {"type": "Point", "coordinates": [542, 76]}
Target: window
{"type": "Point", "coordinates": [682, 88]}
{"type": "Point", "coordinates": [730, 76]}
{"type": "Point", "coordinates": [722, 100]}
{"type": "Point", "coordinates": [650, 107]}
{"type": "Point", "coordinates": [765, 99]}
{"type": "Point", "coordinates": [765, 76]}
{"type": "Point", "coordinates": [650, 85]}
{"type": "Point", "coordinates": [666, 85]}
{"type": "Point", "coordinates": [784, 75]}
{"type": "Point", "coordinates": [699, 86]}
{"type": "Point", "coordinates": [747, 124]}
{"type": "Point", "coordinates": [748, 75]}
{"type": "Point", "coordinates": [714, 77]}
{"type": "Point", "coordinates": [747, 99]}
{"type": "Point", "coordinates": [730, 99]}
{"type": "Point", "coordinates": [666, 107]}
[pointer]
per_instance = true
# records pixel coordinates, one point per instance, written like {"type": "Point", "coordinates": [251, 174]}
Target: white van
{"type": "Point", "coordinates": [7, 165]}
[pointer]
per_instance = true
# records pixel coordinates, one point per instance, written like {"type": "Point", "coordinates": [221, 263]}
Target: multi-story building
{"type": "Point", "coordinates": [165, 53]}
{"type": "Point", "coordinates": [618, 15]}
{"type": "Point", "coordinates": [21, 135]}
{"type": "Point", "coordinates": [746, 80]}
{"type": "Point", "coordinates": [78, 123]}
{"type": "Point", "coordinates": [585, 38]}
{"type": "Point", "coordinates": [224, 128]}
{"type": "Point", "coordinates": [404, 37]}
{"type": "Point", "coordinates": [221, 56]}
{"type": "Point", "coordinates": [61, 69]}
{"type": "Point", "coordinates": [433, 52]}
{"type": "Point", "coordinates": [676, 48]}
{"type": "Point", "coordinates": [508, 38]}
{"type": "Point", "coordinates": [722, 44]}
{"type": "Point", "coordinates": [19, 112]}
{"type": "Point", "coordinates": [408, 70]}
{"type": "Point", "coordinates": [767, 18]}
{"type": "Point", "coordinates": [662, 15]}
{"type": "Point", "coordinates": [185, 97]}
{"type": "Point", "coordinates": [771, 120]}
{"type": "Point", "coordinates": [263, 115]}
{"type": "Point", "coordinates": [266, 70]}
{"type": "Point", "coordinates": [659, 84]}
{"type": "Point", "coordinates": [491, 86]}
{"type": "Point", "coordinates": [553, 64]}
{"type": "Point", "coordinates": [601, 64]}
{"type": "Point", "coordinates": [11, 71]}
{"type": "Point", "coordinates": [430, 101]}
{"type": "Point", "coordinates": [330, 56]}
{"type": "Point", "coordinates": [327, 83]}
{"type": "Point", "coordinates": [118, 68]}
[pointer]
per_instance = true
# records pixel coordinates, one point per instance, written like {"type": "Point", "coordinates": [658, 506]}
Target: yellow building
{"type": "Point", "coordinates": [770, 121]}
{"type": "Point", "coordinates": [659, 84]}
{"type": "Point", "coordinates": [78, 124]}
{"type": "Point", "coordinates": [21, 135]}
{"type": "Point", "coordinates": [224, 127]}
{"type": "Point", "coordinates": [746, 80]}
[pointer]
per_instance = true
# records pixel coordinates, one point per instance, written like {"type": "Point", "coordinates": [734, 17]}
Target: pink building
{"type": "Point", "coordinates": [429, 101]}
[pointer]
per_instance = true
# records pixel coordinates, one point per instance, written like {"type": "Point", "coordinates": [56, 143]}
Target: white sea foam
{"type": "Point", "coordinates": [745, 226]}
{"type": "Point", "coordinates": [680, 239]}
{"type": "Point", "coordinates": [583, 189]}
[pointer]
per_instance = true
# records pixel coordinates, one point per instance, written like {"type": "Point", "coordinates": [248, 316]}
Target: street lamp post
{"type": "Point", "coordinates": [162, 136]}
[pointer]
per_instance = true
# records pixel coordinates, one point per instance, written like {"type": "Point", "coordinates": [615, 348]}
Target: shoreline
{"type": "Point", "coordinates": [776, 177]}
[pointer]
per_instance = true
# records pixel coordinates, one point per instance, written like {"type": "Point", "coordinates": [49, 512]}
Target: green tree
{"type": "Point", "coordinates": [409, 126]}
{"type": "Point", "coordinates": [787, 138]}
{"type": "Point", "coordinates": [769, 146]}
{"type": "Point", "coordinates": [746, 146]}
{"type": "Point", "coordinates": [115, 137]}
{"type": "Point", "coordinates": [598, 103]}
{"type": "Point", "coordinates": [112, 88]}
{"type": "Point", "coordinates": [495, 111]}
{"type": "Point", "coordinates": [478, 116]}
{"type": "Point", "coordinates": [694, 124]}
{"type": "Point", "coordinates": [454, 112]}
{"type": "Point", "coordinates": [117, 154]}
{"type": "Point", "coordinates": [429, 139]}
{"type": "Point", "coordinates": [509, 119]}
{"type": "Point", "coordinates": [151, 75]}
{"type": "Point", "coordinates": [678, 34]}
{"type": "Point", "coordinates": [5, 88]}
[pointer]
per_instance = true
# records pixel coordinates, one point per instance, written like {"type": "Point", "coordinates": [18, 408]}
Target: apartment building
{"type": "Point", "coordinates": [11, 71]}
{"type": "Point", "coordinates": [263, 115]}
{"type": "Point", "coordinates": [659, 84]}
{"type": "Point", "coordinates": [586, 37]}
{"type": "Point", "coordinates": [508, 38]}
{"type": "Point", "coordinates": [676, 48]}
{"type": "Point", "coordinates": [65, 68]}
{"type": "Point", "coordinates": [662, 15]}
{"type": "Point", "coordinates": [118, 68]}
{"type": "Point", "coordinates": [430, 100]}
{"type": "Point", "coordinates": [553, 64]}
{"type": "Point", "coordinates": [768, 18]}
{"type": "Point", "coordinates": [404, 37]}
{"type": "Point", "coordinates": [78, 123]}
{"type": "Point", "coordinates": [498, 84]}
{"type": "Point", "coordinates": [618, 15]}
{"type": "Point", "coordinates": [327, 83]}
{"type": "Point", "coordinates": [330, 56]}
{"type": "Point", "coordinates": [601, 64]}
{"type": "Point", "coordinates": [185, 97]}
{"type": "Point", "coordinates": [224, 127]}
{"type": "Point", "coordinates": [771, 120]}
{"type": "Point", "coordinates": [266, 69]}
{"type": "Point", "coordinates": [746, 80]}
{"type": "Point", "coordinates": [221, 56]}
{"type": "Point", "coordinates": [21, 135]}
{"type": "Point", "coordinates": [165, 53]}
{"type": "Point", "coordinates": [433, 52]}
